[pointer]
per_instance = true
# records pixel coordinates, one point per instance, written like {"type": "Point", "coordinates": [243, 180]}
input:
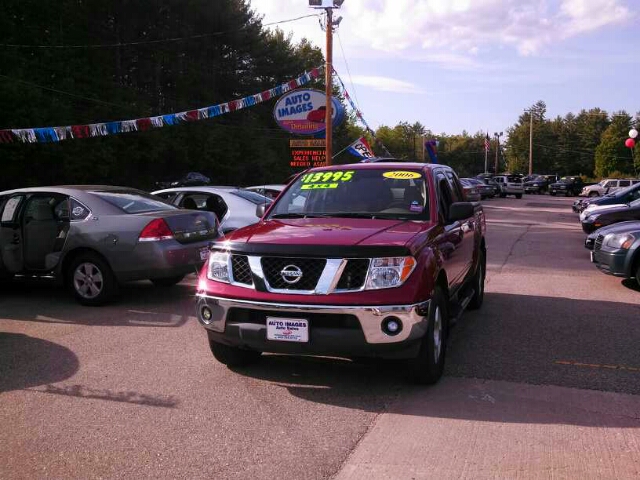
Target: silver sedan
{"type": "Point", "coordinates": [234, 207]}
{"type": "Point", "coordinates": [93, 238]}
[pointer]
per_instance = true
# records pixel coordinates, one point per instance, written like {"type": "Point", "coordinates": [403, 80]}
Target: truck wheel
{"type": "Point", "coordinates": [638, 271]}
{"type": "Point", "coordinates": [594, 194]}
{"type": "Point", "coordinates": [518, 195]}
{"type": "Point", "coordinates": [503, 195]}
{"type": "Point", "coordinates": [167, 282]}
{"type": "Point", "coordinates": [91, 280]}
{"type": "Point", "coordinates": [233, 356]}
{"type": "Point", "coordinates": [427, 367]}
{"type": "Point", "coordinates": [478, 283]}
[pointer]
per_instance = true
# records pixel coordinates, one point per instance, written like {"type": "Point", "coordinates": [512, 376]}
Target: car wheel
{"type": "Point", "coordinates": [427, 367]}
{"type": "Point", "coordinates": [638, 271]}
{"type": "Point", "coordinates": [168, 281]}
{"type": "Point", "coordinates": [478, 283]}
{"type": "Point", "coordinates": [233, 356]}
{"type": "Point", "coordinates": [503, 195]}
{"type": "Point", "coordinates": [594, 194]}
{"type": "Point", "coordinates": [91, 280]}
{"type": "Point", "coordinates": [518, 195]}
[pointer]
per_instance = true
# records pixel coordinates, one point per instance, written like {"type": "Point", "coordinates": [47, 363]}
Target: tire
{"type": "Point", "coordinates": [638, 271]}
{"type": "Point", "coordinates": [91, 280]}
{"type": "Point", "coordinates": [478, 283]}
{"type": "Point", "coordinates": [518, 195]}
{"type": "Point", "coordinates": [233, 356]}
{"type": "Point", "coordinates": [167, 282]}
{"type": "Point", "coordinates": [553, 194]}
{"type": "Point", "coordinates": [594, 194]}
{"type": "Point", "coordinates": [427, 367]}
{"type": "Point", "coordinates": [503, 195]}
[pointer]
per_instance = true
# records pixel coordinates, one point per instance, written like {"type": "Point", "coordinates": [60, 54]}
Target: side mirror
{"type": "Point", "coordinates": [461, 211]}
{"type": "Point", "coordinates": [261, 209]}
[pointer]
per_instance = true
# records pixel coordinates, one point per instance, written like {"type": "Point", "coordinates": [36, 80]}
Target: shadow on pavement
{"type": "Point", "coordinates": [139, 304]}
{"type": "Point", "coordinates": [28, 362]}
{"type": "Point", "coordinates": [79, 391]}
{"type": "Point", "coordinates": [514, 340]}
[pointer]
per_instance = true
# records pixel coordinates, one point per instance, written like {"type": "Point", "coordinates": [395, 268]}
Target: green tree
{"type": "Point", "coordinates": [611, 153]}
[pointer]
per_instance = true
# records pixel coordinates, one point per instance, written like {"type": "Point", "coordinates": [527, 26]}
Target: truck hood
{"type": "Point", "coordinates": [597, 209]}
{"type": "Point", "coordinates": [330, 232]}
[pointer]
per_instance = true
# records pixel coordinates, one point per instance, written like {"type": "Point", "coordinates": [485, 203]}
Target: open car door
{"type": "Point", "coordinates": [11, 237]}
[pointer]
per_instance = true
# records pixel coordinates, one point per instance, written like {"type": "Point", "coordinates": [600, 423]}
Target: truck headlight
{"type": "Point", "coordinates": [218, 269]}
{"type": "Point", "coordinates": [389, 272]}
{"type": "Point", "coordinates": [623, 241]}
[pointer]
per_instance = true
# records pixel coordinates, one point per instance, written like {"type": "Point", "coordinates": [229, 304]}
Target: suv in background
{"type": "Point", "coordinates": [567, 186]}
{"type": "Point", "coordinates": [510, 185]}
{"type": "Point", "coordinates": [607, 185]}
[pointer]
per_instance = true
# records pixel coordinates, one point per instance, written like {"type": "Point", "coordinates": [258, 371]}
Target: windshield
{"type": "Point", "coordinates": [365, 193]}
{"type": "Point", "coordinates": [134, 202]}
{"type": "Point", "coordinates": [253, 197]}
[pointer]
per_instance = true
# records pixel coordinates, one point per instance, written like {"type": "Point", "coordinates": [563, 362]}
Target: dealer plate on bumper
{"type": "Point", "coordinates": [287, 329]}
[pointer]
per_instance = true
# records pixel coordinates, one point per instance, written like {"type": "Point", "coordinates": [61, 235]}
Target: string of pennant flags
{"type": "Point", "coordinates": [57, 134]}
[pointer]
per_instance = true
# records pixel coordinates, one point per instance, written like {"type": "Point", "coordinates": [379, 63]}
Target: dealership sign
{"type": "Point", "coordinates": [303, 112]}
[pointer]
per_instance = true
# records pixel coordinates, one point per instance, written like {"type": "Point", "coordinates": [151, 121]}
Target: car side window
{"type": "Point", "coordinates": [168, 196]}
{"type": "Point", "coordinates": [624, 183]}
{"type": "Point", "coordinates": [10, 210]}
{"type": "Point", "coordinates": [205, 201]}
{"type": "Point", "coordinates": [77, 211]}
{"type": "Point", "coordinates": [444, 196]}
{"type": "Point", "coordinates": [457, 195]}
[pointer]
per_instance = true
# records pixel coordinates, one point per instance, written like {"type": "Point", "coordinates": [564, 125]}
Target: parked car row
{"type": "Point", "coordinates": [94, 238]}
{"type": "Point", "coordinates": [613, 226]}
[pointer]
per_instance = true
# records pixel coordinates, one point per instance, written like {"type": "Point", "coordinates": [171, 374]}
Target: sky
{"type": "Point", "coordinates": [476, 65]}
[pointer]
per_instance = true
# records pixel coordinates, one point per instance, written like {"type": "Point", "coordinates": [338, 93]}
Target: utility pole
{"type": "Point", "coordinates": [497, 135]}
{"type": "Point", "coordinates": [328, 122]}
{"type": "Point", "coordinates": [530, 142]}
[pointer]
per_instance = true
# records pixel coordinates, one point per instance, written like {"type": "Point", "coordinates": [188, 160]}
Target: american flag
{"type": "Point", "coordinates": [487, 143]}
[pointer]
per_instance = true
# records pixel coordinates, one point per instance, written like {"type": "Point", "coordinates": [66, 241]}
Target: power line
{"type": "Point", "coordinates": [95, 100]}
{"type": "Point", "coordinates": [348, 70]}
{"type": "Point", "coordinates": [148, 42]}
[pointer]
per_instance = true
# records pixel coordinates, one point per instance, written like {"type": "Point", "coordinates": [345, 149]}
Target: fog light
{"type": "Point", "coordinates": [392, 326]}
{"type": "Point", "coordinates": [206, 314]}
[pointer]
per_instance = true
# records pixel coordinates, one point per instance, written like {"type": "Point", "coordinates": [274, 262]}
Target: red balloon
{"type": "Point", "coordinates": [630, 143]}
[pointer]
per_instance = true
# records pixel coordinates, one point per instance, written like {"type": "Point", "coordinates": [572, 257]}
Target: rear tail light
{"type": "Point", "coordinates": [155, 231]}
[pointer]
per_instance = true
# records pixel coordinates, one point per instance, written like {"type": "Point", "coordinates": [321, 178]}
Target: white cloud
{"type": "Point", "coordinates": [385, 84]}
{"type": "Point", "coordinates": [452, 32]}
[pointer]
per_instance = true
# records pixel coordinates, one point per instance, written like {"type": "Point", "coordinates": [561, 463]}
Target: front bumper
{"type": "Point", "coordinates": [333, 330]}
{"type": "Point", "coordinates": [611, 263]}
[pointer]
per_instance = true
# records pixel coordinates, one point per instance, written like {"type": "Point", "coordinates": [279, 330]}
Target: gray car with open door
{"type": "Point", "coordinates": [94, 238]}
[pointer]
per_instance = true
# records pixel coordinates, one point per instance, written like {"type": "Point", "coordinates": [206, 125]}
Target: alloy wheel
{"type": "Point", "coordinates": [88, 280]}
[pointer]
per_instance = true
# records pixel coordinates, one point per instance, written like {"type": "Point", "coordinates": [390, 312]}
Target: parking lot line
{"type": "Point", "coordinates": [596, 365]}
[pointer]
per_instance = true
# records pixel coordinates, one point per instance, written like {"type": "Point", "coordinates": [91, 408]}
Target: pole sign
{"type": "Point", "coordinates": [302, 112]}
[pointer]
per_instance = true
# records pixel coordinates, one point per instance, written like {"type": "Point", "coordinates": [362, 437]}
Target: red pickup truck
{"type": "Point", "coordinates": [365, 260]}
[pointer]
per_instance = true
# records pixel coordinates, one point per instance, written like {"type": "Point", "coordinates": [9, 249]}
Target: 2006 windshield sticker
{"type": "Point", "coordinates": [401, 175]}
{"type": "Point", "coordinates": [325, 180]}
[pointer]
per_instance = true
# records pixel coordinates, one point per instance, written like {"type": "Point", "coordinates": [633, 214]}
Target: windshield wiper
{"type": "Point", "coordinates": [349, 215]}
{"type": "Point", "coordinates": [292, 215]}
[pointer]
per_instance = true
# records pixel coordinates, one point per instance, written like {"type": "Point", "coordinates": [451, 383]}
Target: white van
{"type": "Point", "coordinates": [510, 185]}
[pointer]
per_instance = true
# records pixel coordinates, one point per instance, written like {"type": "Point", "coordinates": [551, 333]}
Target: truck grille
{"type": "Point", "coordinates": [316, 320]}
{"type": "Point", "coordinates": [598, 244]}
{"type": "Point", "coordinates": [241, 270]}
{"type": "Point", "coordinates": [309, 269]}
{"type": "Point", "coordinates": [354, 274]}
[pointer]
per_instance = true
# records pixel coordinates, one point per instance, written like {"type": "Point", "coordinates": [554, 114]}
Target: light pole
{"type": "Point", "coordinates": [497, 135]}
{"type": "Point", "coordinates": [531, 112]}
{"type": "Point", "coordinates": [328, 6]}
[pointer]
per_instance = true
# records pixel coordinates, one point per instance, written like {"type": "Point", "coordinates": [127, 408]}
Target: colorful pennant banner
{"type": "Point", "coordinates": [57, 134]}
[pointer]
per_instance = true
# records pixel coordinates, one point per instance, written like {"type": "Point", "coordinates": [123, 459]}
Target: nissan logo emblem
{"type": "Point", "coordinates": [291, 274]}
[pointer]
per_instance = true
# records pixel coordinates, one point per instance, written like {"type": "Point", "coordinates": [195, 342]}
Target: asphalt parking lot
{"type": "Point", "coordinates": [543, 381]}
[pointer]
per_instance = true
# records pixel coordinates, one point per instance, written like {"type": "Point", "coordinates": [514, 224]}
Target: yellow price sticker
{"type": "Point", "coordinates": [401, 175]}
